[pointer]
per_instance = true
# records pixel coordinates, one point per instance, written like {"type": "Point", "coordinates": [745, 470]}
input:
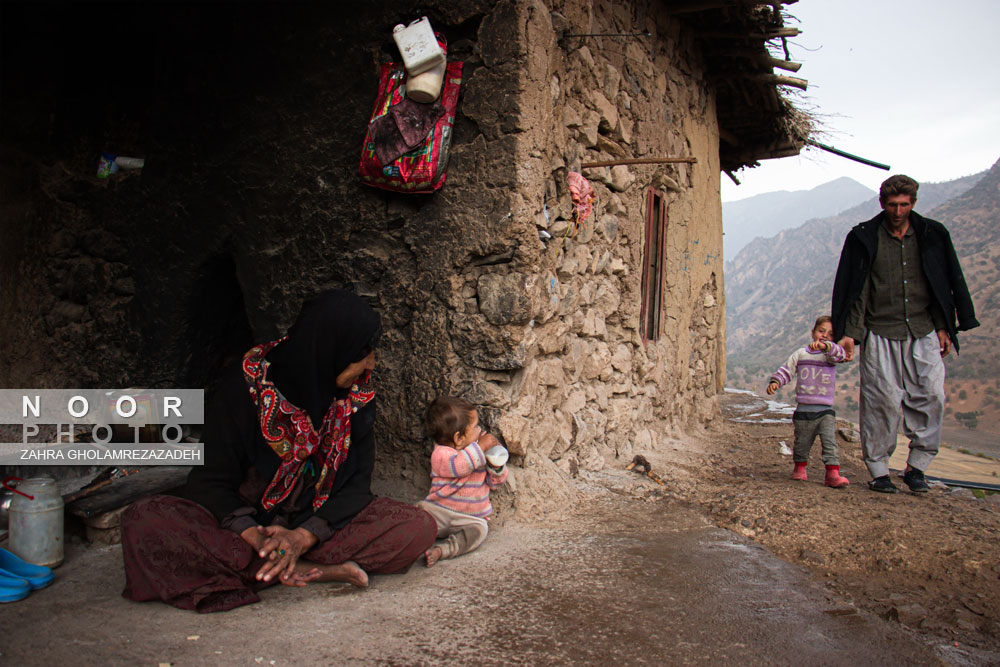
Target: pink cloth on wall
{"type": "Point", "coordinates": [582, 194]}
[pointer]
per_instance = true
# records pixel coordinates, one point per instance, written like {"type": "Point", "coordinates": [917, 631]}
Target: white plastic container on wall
{"type": "Point", "coordinates": [426, 87]}
{"type": "Point", "coordinates": [418, 46]}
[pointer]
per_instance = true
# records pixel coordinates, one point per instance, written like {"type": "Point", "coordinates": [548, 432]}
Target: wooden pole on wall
{"type": "Point", "coordinates": [640, 160]}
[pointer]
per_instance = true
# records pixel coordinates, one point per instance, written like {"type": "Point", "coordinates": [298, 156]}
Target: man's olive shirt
{"type": "Point", "coordinates": [896, 301]}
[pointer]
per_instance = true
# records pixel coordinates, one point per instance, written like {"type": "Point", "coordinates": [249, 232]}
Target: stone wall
{"type": "Point", "coordinates": [572, 384]}
{"type": "Point", "coordinates": [250, 203]}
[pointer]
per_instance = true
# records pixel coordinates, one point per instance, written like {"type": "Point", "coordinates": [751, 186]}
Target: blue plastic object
{"type": "Point", "coordinates": [37, 576]}
{"type": "Point", "coordinates": [13, 589]}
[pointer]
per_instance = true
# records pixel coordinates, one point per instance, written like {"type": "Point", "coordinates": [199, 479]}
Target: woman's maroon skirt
{"type": "Point", "coordinates": [175, 551]}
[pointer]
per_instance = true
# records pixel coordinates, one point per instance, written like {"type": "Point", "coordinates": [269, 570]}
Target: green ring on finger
{"type": "Point", "coordinates": [281, 552]}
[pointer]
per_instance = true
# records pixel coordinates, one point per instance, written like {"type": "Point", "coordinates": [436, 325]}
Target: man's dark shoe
{"type": "Point", "coordinates": [883, 485]}
{"type": "Point", "coordinates": [915, 480]}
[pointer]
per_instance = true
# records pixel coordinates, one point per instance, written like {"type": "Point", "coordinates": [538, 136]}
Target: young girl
{"type": "Point", "coordinates": [815, 388]}
{"type": "Point", "coordinates": [461, 477]}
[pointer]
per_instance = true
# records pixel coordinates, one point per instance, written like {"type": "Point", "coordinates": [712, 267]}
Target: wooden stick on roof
{"type": "Point", "coordinates": [773, 34]}
{"type": "Point", "coordinates": [704, 5]}
{"type": "Point", "coordinates": [781, 80]}
{"type": "Point", "coordinates": [837, 151]}
{"type": "Point", "coordinates": [786, 65]}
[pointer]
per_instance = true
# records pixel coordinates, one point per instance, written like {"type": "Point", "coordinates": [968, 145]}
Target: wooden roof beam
{"type": "Point", "coordinates": [786, 65]}
{"type": "Point", "coordinates": [692, 6]}
{"type": "Point", "coordinates": [772, 34]}
{"type": "Point", "coordinates": [729, 137]}
{"type": "Point", "coordinates": [781, 80]}
{"type": "Point", "coordinates": [763, 58]}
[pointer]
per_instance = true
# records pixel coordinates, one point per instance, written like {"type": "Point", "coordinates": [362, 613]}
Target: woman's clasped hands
{"type": "Point", "coordinates": [281, 548]}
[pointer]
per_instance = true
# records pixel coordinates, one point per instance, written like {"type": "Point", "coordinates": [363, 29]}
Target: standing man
{"type": "Point", "coordinates": [898, 289]}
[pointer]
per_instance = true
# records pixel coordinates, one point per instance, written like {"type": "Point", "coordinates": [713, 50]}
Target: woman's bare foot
{"type": "Point", "coordinates": [433, 555]}
{"type": "Point", "coordinates": [348, 571]}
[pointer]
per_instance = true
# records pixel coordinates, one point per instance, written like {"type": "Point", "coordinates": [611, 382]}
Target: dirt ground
{"type": "Point", "coordinates": [930, 562]}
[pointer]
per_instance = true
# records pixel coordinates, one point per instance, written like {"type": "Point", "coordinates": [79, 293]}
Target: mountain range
{"type": "Point", "coordinates": [767, 214]}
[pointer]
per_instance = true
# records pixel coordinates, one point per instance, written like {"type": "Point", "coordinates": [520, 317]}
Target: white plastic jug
{"type": "Point", "coordinates": [426, 87]}
{"type": "Point", "coordinates": [418, 46]}
{"type": "Point", "coordinates": [36, 523]}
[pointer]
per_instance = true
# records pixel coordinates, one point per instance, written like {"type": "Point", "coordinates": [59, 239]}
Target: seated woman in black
{"type": "Point", "coordinates": [285, 492]}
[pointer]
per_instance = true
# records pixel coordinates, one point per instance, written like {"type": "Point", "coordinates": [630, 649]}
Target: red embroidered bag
{"type": "Point", "coordinates": [422, 169]}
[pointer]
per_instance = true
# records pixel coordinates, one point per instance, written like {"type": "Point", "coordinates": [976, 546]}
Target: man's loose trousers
{"type": "Point", "coordinates": [907, 374]}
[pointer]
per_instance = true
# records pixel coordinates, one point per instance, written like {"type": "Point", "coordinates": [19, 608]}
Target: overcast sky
{"type": "Point", "coordinates": [914, 84]}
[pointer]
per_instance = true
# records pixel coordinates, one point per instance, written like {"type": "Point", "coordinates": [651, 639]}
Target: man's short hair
{"type": "Point", "coordinates": [446, 416]}
{"type": "Point", "coordinates": [822, 319]}
{"type": "Point", "coordinates": [898, 185]}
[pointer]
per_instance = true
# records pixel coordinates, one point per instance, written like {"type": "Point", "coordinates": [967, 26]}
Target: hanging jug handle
{"type": "Point", "coordinates": [11, 488]}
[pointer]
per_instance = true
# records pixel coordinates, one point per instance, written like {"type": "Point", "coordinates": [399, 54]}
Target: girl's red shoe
{"type": "Point", "coordinates": [834, 479]}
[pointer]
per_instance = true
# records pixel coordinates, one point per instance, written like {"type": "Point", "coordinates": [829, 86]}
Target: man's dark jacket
{"type": "Point", "coordinates": [940, 266]}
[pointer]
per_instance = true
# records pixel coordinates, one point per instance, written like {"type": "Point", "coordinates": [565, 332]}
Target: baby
{"type": "Point", "coordinates": [461, 477]}
{"type": "Point", "coordinates": [816, 372]}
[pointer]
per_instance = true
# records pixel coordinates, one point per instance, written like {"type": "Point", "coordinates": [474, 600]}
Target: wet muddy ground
{"type": "Point", "coordinates": [930, 562]}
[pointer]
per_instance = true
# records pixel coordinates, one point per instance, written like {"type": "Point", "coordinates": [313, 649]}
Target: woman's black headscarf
{"type": "Point", "coordinates": [333, 330]}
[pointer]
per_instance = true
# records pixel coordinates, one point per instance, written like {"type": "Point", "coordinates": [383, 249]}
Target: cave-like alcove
{"type": "Point", "coordinates": [250, 118]}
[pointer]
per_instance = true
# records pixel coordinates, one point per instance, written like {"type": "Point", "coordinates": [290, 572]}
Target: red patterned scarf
{"type": "Point", "coordinates": [288, 430]}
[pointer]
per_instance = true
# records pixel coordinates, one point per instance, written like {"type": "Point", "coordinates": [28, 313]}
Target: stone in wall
{"type": "Point", "coordinates": [516, 433]}
{"type": "Point", "coordinates": [621, 178]}
{"type": "Point", "coordinates": [575, 260]}
{"type": "Point", "coordinates": [551, 338]}
{"type": "Point", "coordinates": [597, 366]}
{"type": "Point", "coordinates": [505, 299]}
{"type": "Point", "coordinates": [480, 392]}
{"type": "Point", "coordinates": [622, 358]}
{"type": "Point", "coordinates": [588, 128]}
{"type": "Point", "coordinates": [480, 345]}
{"type": "Point", "coordinates": [610, 147]}
{"type": "Point", "coordinates": [546, 292]}
{"type": "Point", "coordinates": [550, 373]}
{"type": "Point", "coordinates": [608, 112]}
{"type": "Point", "coordinates": [607, 298]}
{"type": "Point", "coordinates": [591, 324]}
{"type": "Point", "coordinates": [611, 80]}
{"type": "Point", "coordinates": [590, 458]}
{"type": "Point", "coordinates": [575, 356]}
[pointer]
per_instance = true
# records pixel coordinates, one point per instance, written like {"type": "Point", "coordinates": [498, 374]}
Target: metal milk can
{"type": "Point", "coordinates": [36, 522]}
